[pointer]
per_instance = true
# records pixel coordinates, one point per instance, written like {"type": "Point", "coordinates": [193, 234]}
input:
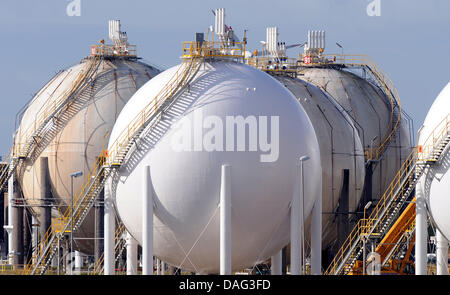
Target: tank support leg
{"type": "Point", "coordinates": [275, 261]}
{"type": "Point", "coordinates": [109, 227]}
{"type": "Point", "coordinates": [45, 210]}
{"type": "Point", "coordinates": [316, 235]}
{"type": "Point", "coordinates": [131, 255]}
{"type": "Point", "coordinates": [297, 228]}
{"type": "Point", "coordinates": [441, 254]}
{"type": "Point", "coordinates": [225, 221]}
{"type": "Point", "coordinates": [147, 230]}
{"type": "Point", "coordinates": [421, 232]}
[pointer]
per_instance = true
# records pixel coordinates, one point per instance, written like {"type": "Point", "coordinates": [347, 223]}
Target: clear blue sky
{"type": "Point", "coordinates": [409, 40]}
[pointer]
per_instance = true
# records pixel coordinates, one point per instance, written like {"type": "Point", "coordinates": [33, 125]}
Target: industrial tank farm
{"type": "Point", "coordinates": [231, 161]}
{"type": "Point", "coordinates": [262, 183]}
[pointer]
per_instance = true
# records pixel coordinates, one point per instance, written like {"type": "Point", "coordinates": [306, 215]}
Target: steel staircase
{"type": "Point", "coordinates": [44, 126]}
{"type": "Point", "coordinates": [389, 206]}
{"type": "Point", "coordinates": [108, 162]}
{"type": "Point", "coordinates": [70, 220]}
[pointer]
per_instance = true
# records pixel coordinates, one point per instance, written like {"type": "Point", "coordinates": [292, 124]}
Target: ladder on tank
{"type": "Point", "coordinates": [110, 161]}
{"type": "Point", "coordinates": [387, 87]}
{"type": "Point", "coordinates": [390, 204]}
{"type": "Point", "coordinates": [43, 126]}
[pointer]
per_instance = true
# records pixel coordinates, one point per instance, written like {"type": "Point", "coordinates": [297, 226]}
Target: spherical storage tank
{"type": "Point", "coordinates": [436, 181]}
{"type": "Point", "coordinates": [186, 149]}
{"type": "Point", "coordinates": [340, 149]}
{"type": "Point", "coordinates": [78, 142]}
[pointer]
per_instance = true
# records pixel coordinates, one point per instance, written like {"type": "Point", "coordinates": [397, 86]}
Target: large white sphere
{"type": "Point", "coordinates": [187, 183]}
{"type": "Point", "coordinates": [436, 182]}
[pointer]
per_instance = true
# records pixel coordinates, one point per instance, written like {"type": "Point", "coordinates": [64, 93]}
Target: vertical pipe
{"type": "Point", "coordinates": [276, 263]}
{"type": "Point", "coordinates": [225, 220]}
{"type": "Point", "coordinates": [45, 214]}
{"type": "Point", "coordinates": [316, 234]}
{"type": "Point", "coordinates": [296, 224]}
{"type": "Point", "coordinates": [109, 224]}
{"type": "Point", "coordinates": [421, 231]}
{"type": "Point", "coordinates": [27, 236]}
{"type": "Point", "coordinates": [131, 255]}
{"type": "Point", "coordinates": [18, 235]}
{"type": "Point", "coordinates": [147, 224]}
{"type": "Point", "coordinates": [441, 254]}
{"type": "Point", "coordinates": [10, 226]}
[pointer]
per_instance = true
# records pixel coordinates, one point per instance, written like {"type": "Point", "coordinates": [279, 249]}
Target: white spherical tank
{"type": "Point", "coordinates": [79, 141]}
{"type": "Point", "coordinates": [436, 181]}
{"type": "Point", "coordinates": [186, 166]}
{"type": "Point", "coordinates": [340, 148]}
{"type": "Point", "coordinates": [371, 112]}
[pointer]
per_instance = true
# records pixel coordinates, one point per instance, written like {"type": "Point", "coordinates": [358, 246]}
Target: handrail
{"type": "Point", "coordinates": [27, 138]}
{"type": "Point", "coordinates": [74, 213]}
{"type": "Point", "coordinates": [167, 92]}
{"type": "Point", "coordinates": [425, 150]}
{"type": "Point", "coordinates": [98, 268]}
{"type": "Point", "coordinates": [211, 49]}
{"type": "Point", "coordinates": [388, 88]}
{"type": "Point", "coordinates": [51, 106]}
{"type": "Point", "coordinates": [407, 175]}
{"type": "Point", "coordinates": [65, 217]}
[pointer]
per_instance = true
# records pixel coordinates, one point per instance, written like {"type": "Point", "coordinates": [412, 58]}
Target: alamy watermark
{"type": "Point", "coordinates": [74, 8]}
{"type": "Point", "coordinates": [374, 8]}
{"type": "Point", "coordinates": [234, 134]}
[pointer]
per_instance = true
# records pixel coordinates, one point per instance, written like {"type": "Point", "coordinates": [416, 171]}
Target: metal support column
{"type": "Point", "coordinates": [421, 231]}
{"type": "Point", "coordinates": [225, 220]}
{"type": "Point", "coordinates": [147, 224]}
{"type": "Point", "coordinates": [441, 254]}
{"type": "Point", "coordinates": [297, 224]}
{"type": "Point", "coordinates": [110, 228]}
{"type": "Point", "coordinates": [276, 263]}
{"type": "Point", "coordinates": [316, 235]}
{"type": "Point", "coordinates": [131, 255]}
{"type": "Point", "coordinates": [45, 194]}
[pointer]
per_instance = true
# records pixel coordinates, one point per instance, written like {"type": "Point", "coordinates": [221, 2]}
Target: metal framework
{"type": "Point", "coordinates": [388, 208]}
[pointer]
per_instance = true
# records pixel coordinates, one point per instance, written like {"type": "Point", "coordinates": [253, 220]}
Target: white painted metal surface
{"type": "Point", "coordinates": [147, 223]}
{"type": "Point", "coordinates": [370, 112]}
{"type": "Point", "coordinates": [437, 179]}
{"type": "Point", "coordinates": [441, 254]}
{"type": "Point", "coordinates": [225, 220]}
{"type": "Point", "coordinates": [132, 249]}
{"type": "Point", "coordinates": [187, 183]}
{"type": "Point", "coordinates": [340, 148]}
{"type": "Point", "coordinates": [421, 232]}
